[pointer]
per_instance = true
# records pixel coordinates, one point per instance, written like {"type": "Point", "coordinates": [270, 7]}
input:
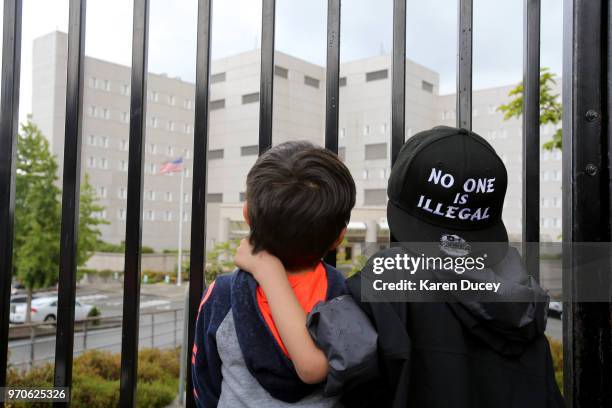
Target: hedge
{"type": "Point", "coordinates": [96, 379]}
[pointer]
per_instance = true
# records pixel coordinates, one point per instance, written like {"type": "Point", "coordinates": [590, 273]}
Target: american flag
{"type": "Point", "coordinates": [173, 166]}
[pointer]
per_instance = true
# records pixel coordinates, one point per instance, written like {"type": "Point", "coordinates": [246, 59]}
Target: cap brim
{"type": "Point", "coordinates": [422, 237]}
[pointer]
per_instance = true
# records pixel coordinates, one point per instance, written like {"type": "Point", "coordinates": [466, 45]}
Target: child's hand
{"type": "Point", "coordinates": [260, 265]}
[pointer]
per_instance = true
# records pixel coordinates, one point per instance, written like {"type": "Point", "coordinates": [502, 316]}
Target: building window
{"type": "Point", "coordinates": [427, 86]}
{"type": "Point", "coordinates": [383, 128]}
{"type": "Point", "coordinates": [168, 196]}
{"type": "Point", "coordinates": [123, 193]}
{"type": "Point", "coordinates": [281, 72]}
{"type": "Point", "coordinates": [125, 117]}
{"type": "Point", "coordinates": [93, 82]}
{"type": "Point", "coordinates": [185, 197]}
{"type": "Point", "coordinates": [215, 78]}
{"type": "Point", "coordinates": [107, 86]}
{"type": "Point", "coordinates": [125, 89]}
{"type": "Point", "coordinates": [150, 195]}
{"type": "Point", "coordinates": [91, 140]}
{"type": "Point", "coordinates": [169, 151]}
{"type": "Point", "coordinates": [215, 154]}
{"type": "Point", "coordinates": [377, 75]}
{"type": "Point", "coordinates": [92, 111]}
{"type": "Point", "coordinates": [214, 197]}
{"type": "Point", "coordinates": [187, 153]}
{"type": "Point", "coordinates": [102, 192]}
{"type": "Point", "coordinates": [342, 81]}
{"type": "Point", "coordinates": [342, 133]}
{"type": "Point", "coordinates": [185, 216]}
{"type": "Point", "coordinates": [187, 128]}
{"type": "Point", "coordinates": [121, 214]}
{"type": "Point", "coordinates": [105, 113]}
{"type": "Point", "coordinates": [375, 196]}
{"type": "Point", "coordinates": [366, 130]}
{"type": "Point", "coordinates": [154, 122]}
{"type": "Point", "coordinates": [151, 148]}
{"type": "Point", "coordinates": [168, 216]}
{"type": "Point", "coordinates": [149, 215]}
{"type": "Point", "coordinates": [310, 81]}
{"type": "Point", "coordinates": [124, 145]}
{"type": "Point", "coordinates": [242, 197]}
{"type": "Point", "coordinates": [365, 174]}
{"type": "Point", "coordinates": [250, 98]}
{"type": "Point", "coordinates": [123, 165]}
{"type": "Point", "coordinates": [252, 150]}
{"type": "Point", "coordinates": [188, 104]}
{"type": "Point", "coordinates": [172, 100]}
{"type": "Point", "coordinates": [151, 168]}
{"type": "Point", "coordinates": [376, 151]}
{"type": "Point", "coordinates": [342, 153]}
{"type": "Point", "coordinates": [218, 104]}
{"type": "Point", "coordinates": [155, 97]}
{"type": "Point", "coordinates": [104, 163]}
{"type": "Point", "coordinates": [104, 142]}
{"type": "Point", "coordinates": [170, 126]}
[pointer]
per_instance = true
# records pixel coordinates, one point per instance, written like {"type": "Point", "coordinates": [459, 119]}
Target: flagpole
{"type": "Point", "coordinates": [180, 234]}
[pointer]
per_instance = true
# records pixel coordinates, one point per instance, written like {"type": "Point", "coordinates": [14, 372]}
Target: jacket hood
{"type": "Point", "coordinates": [510, 318]}
{"type": "Point", "coordinates": [507, 320]}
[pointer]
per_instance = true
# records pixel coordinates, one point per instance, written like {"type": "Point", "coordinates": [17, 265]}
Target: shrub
{"type": "Point", "coordinates": [556, 350]}
{"type": "Point", "coordinates": [96, 377]}
{"type": "Point", "coordinates": [94, 312]}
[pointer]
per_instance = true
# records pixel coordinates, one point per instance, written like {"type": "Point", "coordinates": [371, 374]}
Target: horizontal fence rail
{"type": "Point", "coordinates": [586, 162]}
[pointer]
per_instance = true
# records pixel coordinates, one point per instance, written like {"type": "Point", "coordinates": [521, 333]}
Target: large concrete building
{"type": "Point", "coordinates": [299, 113]}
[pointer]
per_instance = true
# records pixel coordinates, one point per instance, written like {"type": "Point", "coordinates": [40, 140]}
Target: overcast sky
{"type": "Point", "coordinates": [300, 31]}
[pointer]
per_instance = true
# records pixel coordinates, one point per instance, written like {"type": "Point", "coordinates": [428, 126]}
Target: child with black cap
{"type": "Point", "coordinates": [446, 194]}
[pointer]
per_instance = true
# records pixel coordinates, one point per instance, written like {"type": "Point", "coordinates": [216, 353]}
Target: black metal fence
{"type": "Point", "coordinates": [587, 139]}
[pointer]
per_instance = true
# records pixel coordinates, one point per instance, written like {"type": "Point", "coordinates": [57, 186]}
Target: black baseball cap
{"type": "Point", "coordinates": [447, 188]}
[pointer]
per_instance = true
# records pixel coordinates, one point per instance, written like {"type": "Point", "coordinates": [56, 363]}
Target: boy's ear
{"type": "Point", "coordinates": [245, 213]}
{"type": "Point", "coordinates": [338, 240]}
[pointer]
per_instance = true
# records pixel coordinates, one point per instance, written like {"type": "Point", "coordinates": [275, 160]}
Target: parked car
{"type": "Point", "coordinates": [44, 309]}
{"type": "Point", "coordinates": [555, 308]}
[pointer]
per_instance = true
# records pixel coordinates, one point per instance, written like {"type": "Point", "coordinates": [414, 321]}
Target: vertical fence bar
{"type": "Point", "coordinates": [587, 326]}
{"type": "Point", "coordinates": [9, 126]}
{"type": "Point", "coordinates": [398, 82]}
{"type": "Point", "coordinates": [200, 166]}
{"type": "Point", "coordinates": [398, 79]}
{"type": "Point", "coordinates": [266, 89]}
{"type": "Point", "coordinates": [64, 337]}
{"type": "Point", "coordinates": [464, 65]}
{"type": "Point", "coordinates": [332, 77]}
{"type": "Point", "coordinates": [133, 233]}
{"type": "Point", "coordinates": [531, 136]}
{"type": "Point", "coordinates": [332, 87]}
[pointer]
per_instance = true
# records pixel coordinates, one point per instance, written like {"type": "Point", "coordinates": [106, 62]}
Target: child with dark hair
{"type": "Point", "coordinates": [251, 347]}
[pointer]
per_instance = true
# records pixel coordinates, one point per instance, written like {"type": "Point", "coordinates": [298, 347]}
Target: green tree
{"type": "Point", "coordinates": [37, 213]}
{"type": "Point", "coordinates": [89, 233]}
{"type": "Point", "coordinates": [220, 259]}
{"type": "Point", "coordinates": [551, 109]}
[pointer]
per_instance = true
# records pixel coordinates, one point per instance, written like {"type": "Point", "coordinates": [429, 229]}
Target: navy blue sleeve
{"type": "Point", "coordinates": [205, 360]}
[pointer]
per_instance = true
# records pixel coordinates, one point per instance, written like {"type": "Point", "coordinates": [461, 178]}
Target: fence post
{"type": "Point", "coordinates": [152, 330]}
{"type": "Point", "coordinates": [32, 340]}
{"type": "Point", "coordinates": [174, 331]}
{"type": "Point", "coordinates": [85, 335]}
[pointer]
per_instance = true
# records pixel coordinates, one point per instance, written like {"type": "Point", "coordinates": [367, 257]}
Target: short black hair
{"type": "Point", "coordinates": [299, 199]}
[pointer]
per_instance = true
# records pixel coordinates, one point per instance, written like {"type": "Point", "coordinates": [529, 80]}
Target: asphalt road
{"type": "Point", "coordinates": [160, 325]}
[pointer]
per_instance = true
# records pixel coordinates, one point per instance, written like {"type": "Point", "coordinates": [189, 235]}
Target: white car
{"type": "Point", "coordinates": [44, 309]}
{"type": "Point", "coordinates": [555, 308]}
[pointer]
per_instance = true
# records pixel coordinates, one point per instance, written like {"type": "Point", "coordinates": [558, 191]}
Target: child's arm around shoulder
{"type": "Point", "coordinates": [289, 317]}
{"type": "Point", "coordinates": [205, 360]}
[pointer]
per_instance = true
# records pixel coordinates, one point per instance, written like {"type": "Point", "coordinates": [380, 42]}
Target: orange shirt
{"type": "Point", "coordinates": [310, 288]}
